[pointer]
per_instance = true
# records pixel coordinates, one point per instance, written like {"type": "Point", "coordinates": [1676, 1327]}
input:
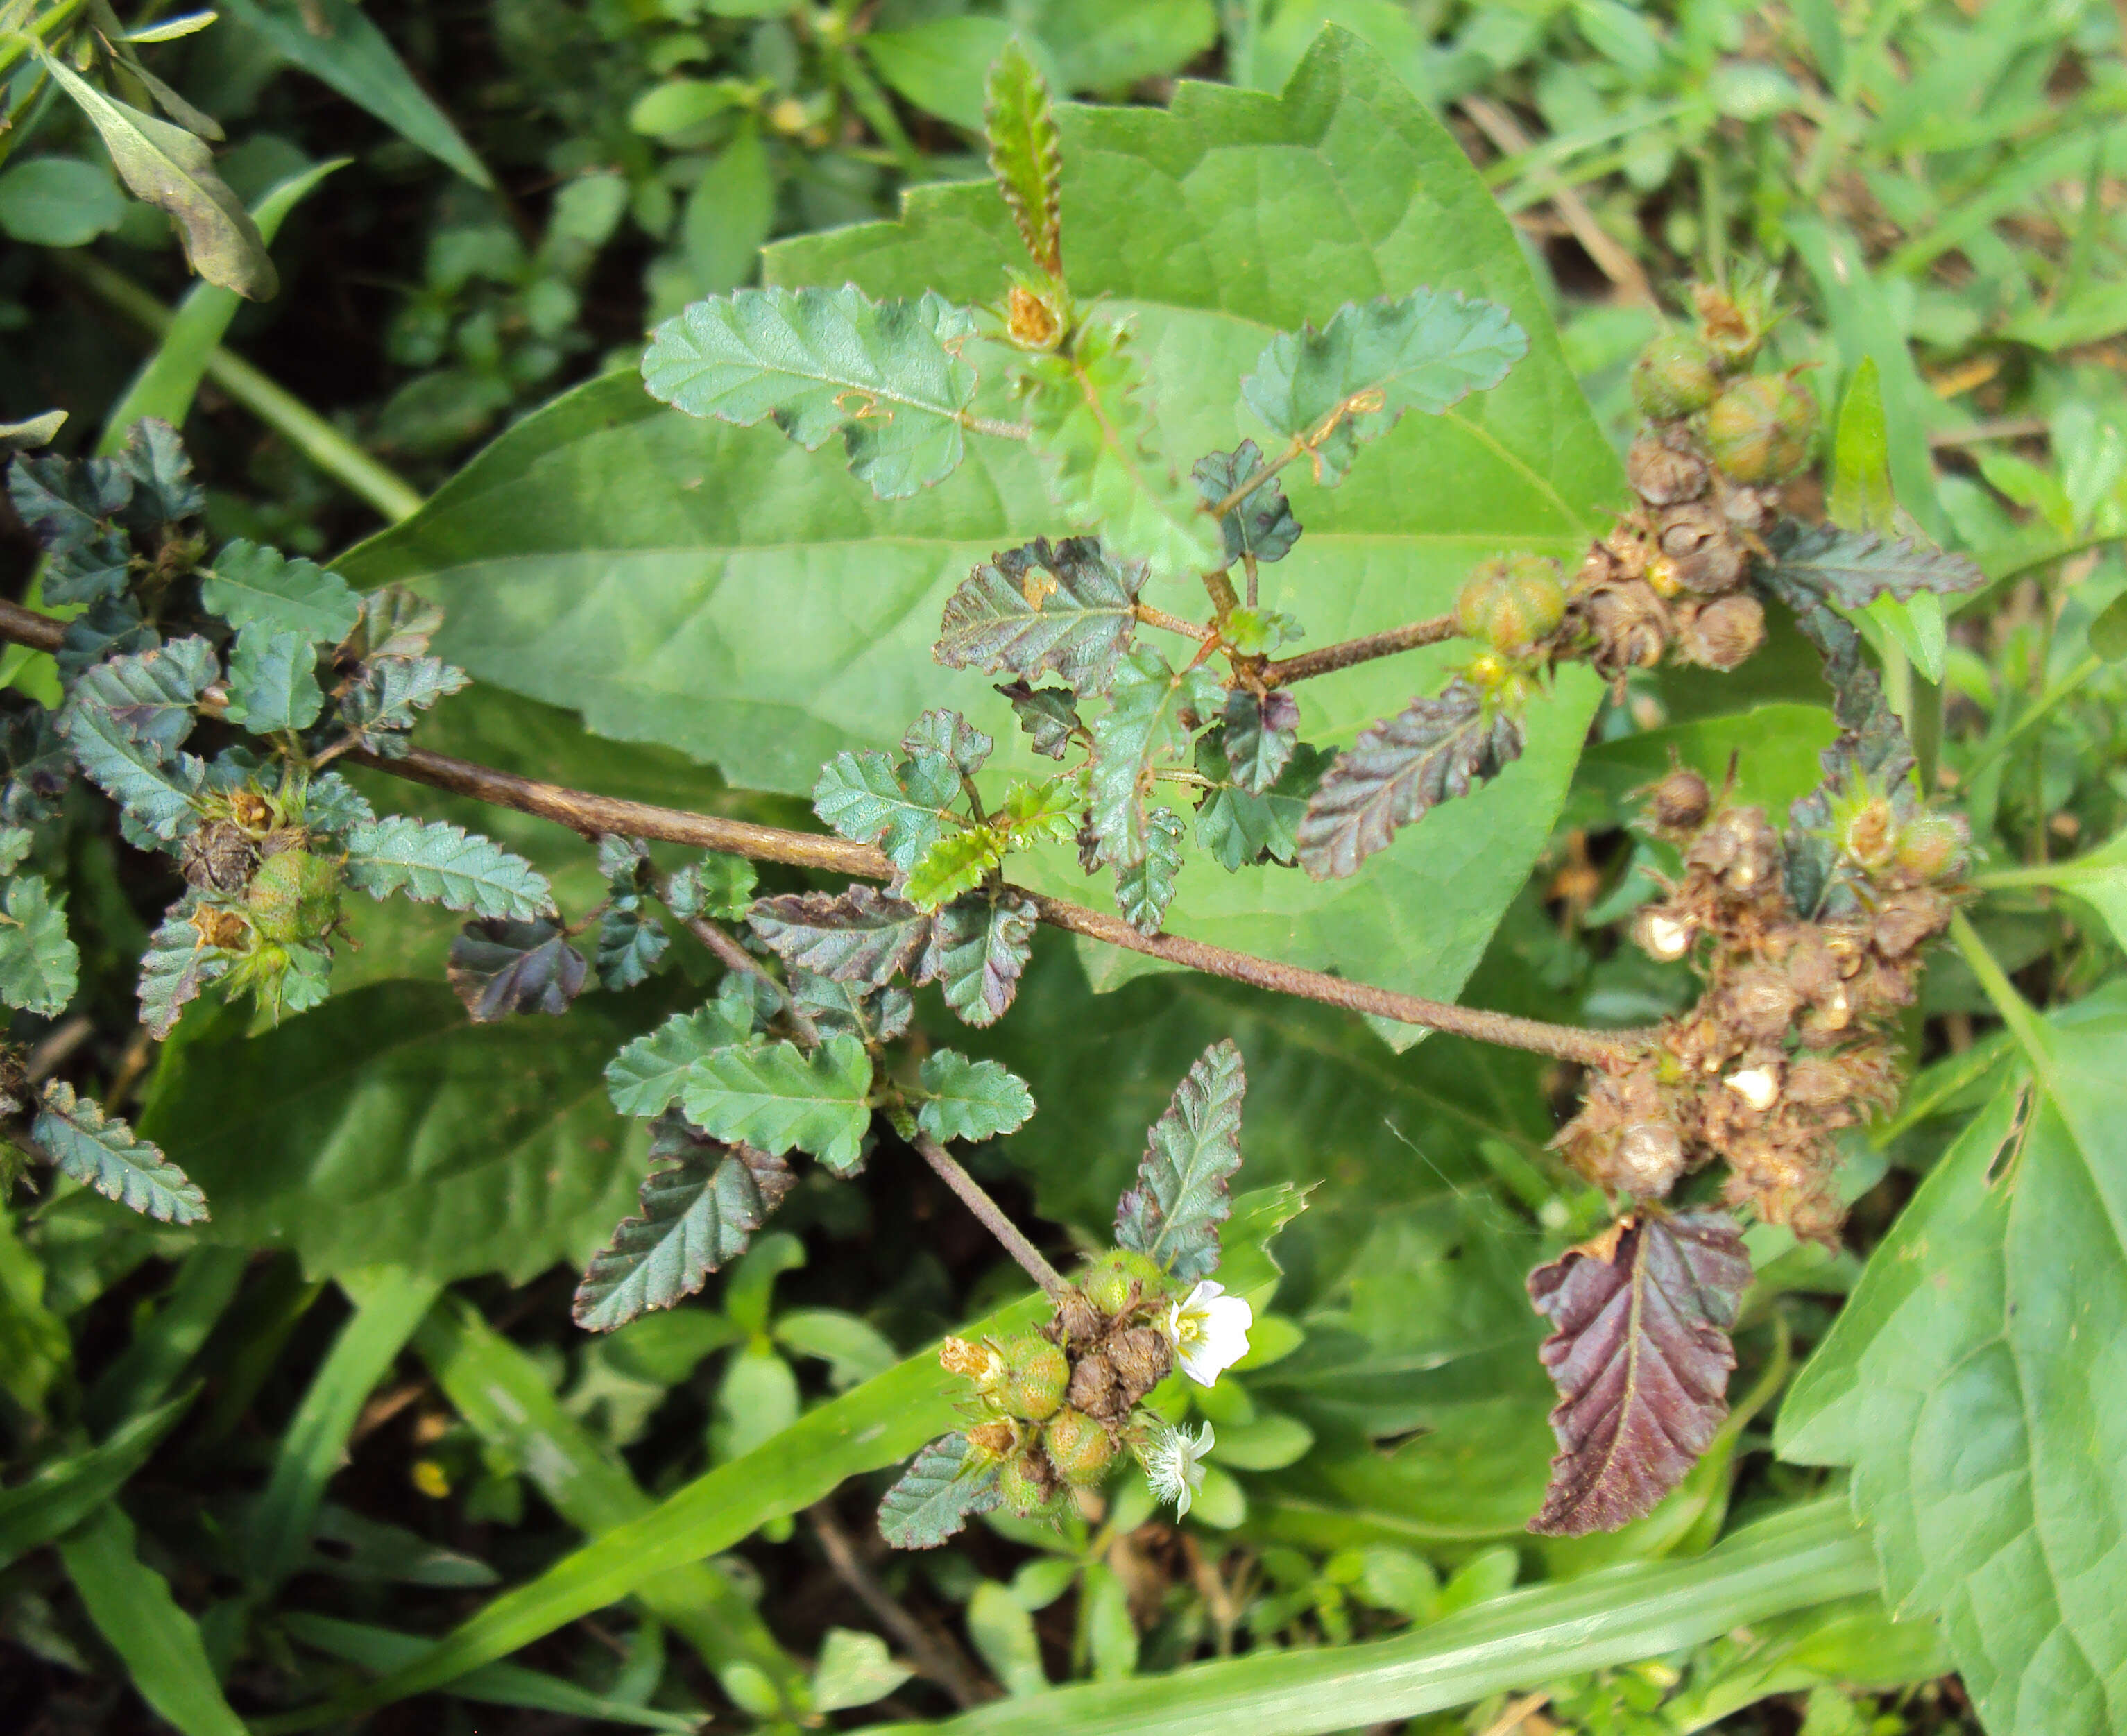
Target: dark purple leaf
{"type": "Point", "coordinates": [978, 946]}
{"type": "Point", "coordinates": [1049, 715]}
{"type": "Point", "coordinates": [498, 967]}
{"type": "Point", "coordinates": [1260, 736]}
{"type": "Point", "coordinates": [859, 936]}
{"type": "Point", "coordinates": [1853, 568]}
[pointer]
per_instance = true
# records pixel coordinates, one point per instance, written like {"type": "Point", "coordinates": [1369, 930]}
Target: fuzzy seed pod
{"type": "Point", "coordinates": [252, 811]}
{"type": "Point", "coordinates": [1649, 1158]}
{"type": "Point", "coordinates": [1080, 1449]}
{"type": "Point", "coordinates": [1932, 847]}
{"type": "Point", "coordinates": [1077, 1321]}
{"type": "Point", "coordinates": [1741, 848]}
{"type": "Point", "coordinates": [989, 1442]}
{"type": "Point", "coordinates": [218, 855]}
{"type": "Point", "coordinates": [1094, 1389]}
{"type": "Point", "coordinates": [1663, 934]}
{"type": "Point", "coordinates": [1630, 625]}
{"type": "Point", "coordinates": [1674, 377]}
{"type": "Point", "coordinates": [1029, 1378]}
{"type": "Point", "coordinates": [1661, 475]}
{"type": "Point", "coordinates": [1142, 1358]}
{"type": "Point", "coordinates": [1029, 1486]}
{"type": "Point", "coordinates": [1905, 922]}
{"type": "Point", "coordinates": [1120, 1277]}
{"type": "Point", "coordinates": [1759, 1003]}
{"type": "Point", "coordinates": [1723, 632]}
{"type": "Point", "coordinates": [1815, 1084]}
{"type": "Point", "coordinates": [294, 898]}
{"type": "Point", "coordinates": [1704, 556]}
{"type": "Point", "coordinates": [1759, 429]}
{"type": "Point", "coordinates": [1680, 802]}
{"type": "Point", "coordinates": [1870, 834]}
{"type": "Point", "coordinates": [1510, 601]}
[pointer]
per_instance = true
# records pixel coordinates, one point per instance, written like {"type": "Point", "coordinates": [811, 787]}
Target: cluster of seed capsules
{"type": "Point", "coordinates": [1791, 1040]}
{"type": "Point", "coordinates": [262, 889]}
{"type": "Point", "coordinates": [1054, 1410]}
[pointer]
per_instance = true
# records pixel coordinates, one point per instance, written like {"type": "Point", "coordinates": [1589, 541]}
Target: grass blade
{"type": "Point", "coordinates": [206, 1285]}
{"type": "Point", "coordinates": [64, 1493]}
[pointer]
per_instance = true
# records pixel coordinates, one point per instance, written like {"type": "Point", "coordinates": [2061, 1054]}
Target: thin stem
{"type": "Point", "coordinates": [1000, 430]}
{"type": "Point", "coordinates": [991, 1214]}
{"type": "Point", "coordinates": [1344, 655]}
{"type": "Point", "coordinates": [735, 957]}
{"type": "Point", "coordinates": [590, 815]}
{"type": "Point", "coordinates": [933, 1656]}
{"type": "Point", "coordinates": [1152, 617]}
{"type": "Point", "coordinates": [1225, 600]}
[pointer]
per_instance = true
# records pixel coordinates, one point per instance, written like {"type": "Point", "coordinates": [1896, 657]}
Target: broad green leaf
{"type": "Point", "coordinates": [1003, 1633]}
{"type": "Point", "coordinates": [152, 695]}
{"type": "Point", "coordinates": [1355, 379]}
{"type": "Point", "coordinates": [385, 1128]}
{"type": "Point", "coordinates": [772, 1096]}
{"type": "Point", "coordinates": [438, 863]}
{"type": "Point", "coordinates": [39, 965]}
{"type": "Point", "coordinates": [937, 63]}
{"type": "Point", "coordinates": [62, 1492]}
{"type": "Point", "coordinates": [249, 585]}
{"type": "Point", "coordinates": [937, 1496]}
{"type": "Point", "coordinates": [1181, 1198]}
{"type": "Point", "coordinates": [885, 375]}
{"type": "Point", "coordinates": [170, 169]}
{"type": "Point", "coordinates": [1025, 153]}
{"type": "Point", "coordinates": [1069, 606]}
{"type": "Point", "coordinates": [102, 1152]}
{"type": "Point", "coordinates": [854, 1670]}
{"type": "Point", "coordinates": [686, 530]}
{"type": "Point", "coordinates": [970, 1100]}
{"type": "Point", "coordinates": [155, 789]}
{"type": "Point", "coordinates": [904, 810]}
{"type": "Point", "coordinates": [730, 211]}
{"type": "Point", "coordinates": [273, 682]}
{"type": "Point", "coordinates": [58, 201]}
{"type": "Point", "coordinates": [647, 1076]}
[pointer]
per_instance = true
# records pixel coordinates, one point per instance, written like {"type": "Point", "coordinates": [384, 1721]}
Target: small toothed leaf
{"type": "Point", "coordinates": [865, 797]}
{"type": "Point", "coordinates": [153, 695]}
{"type": "Point", "coordinates": [1155, 708]}
{"type": "Point", "coordinates": [383, 707]}
{"type": "Point", "coordinates": [273, 682]}
{"type": "Point", "coordinates": [719, 886]}
{"type": "Point", "coordinates": [621, 860]}
{"type": "Point", "coordinates": [40, 966]}
{"type": "Point", "coordinates": [1259, 736]}
{"type": "Point", "coordinates": [970, 1100]}
{"type": "Point", "coordinates": [859, 936]}
{"type": "Point", "coordinates": [1046, 813]}
{"type": "Point", "coordinates": [396, 623]}
{"type": "Point", "coordinates": [774, 1096]}
{"type": "Point", "coordinates": [1026, 154]}
{"type": "Point", "coordinates": [937, 1496]}
{"type": "Point", "coordinates": [15, 842]}
{"type": "Point", "coordinates": [103, 1153]}
{"type": "Point", "coordinates": [631, 942]}
{"type": "Point", "coordinates": [863, 1010]}
{"type": "Point", "coordinates": [67, 504]}
{"type": "Point", "coordinates": [1238, 829]}
{"type": "Point", "coordinates": [438, 863]}
{"type": "Point", "coordinates": [156, 792]}
{"type": "Point", "coordinates": [956, 863]}
{"type": "Point", "coordinates": [978, 947]}
{"type": "Point", "coordinates": [178, 965]}
{"type": "Point", "coordinates": [697, 1216]}
{"type": "Point", "coordinates": [1260, 524]}
{"type": "Point", "coordinates": [1354, 380]}
{"type": "Point", "coordinates": [1853, 568]}
{"type": "Point", "coordinates": [498, 967]}
{"type": "Point", "coordinates": [948, 735]}
{"type": "Point", "coordinates": [1397, 770]}
{"type": "Point", "coordinates": [1641, 1355]}
{"type": "Point", "coordinates": [163, 490]}
{"type": "Point", "coordinates": [1145, 888]}
{"type": "Point", "coordinates": [645, 1077]}
{"type": "Point", "coordinates": [886, 376]}
{"type": "Point", "coordinates": [36, 764]}
{"type": "Point", "coordinates": [332, 805]}
{"type": "Point", "coordinates": [251, 587]}
{"type": "Point", "coordinates": [1173, 1213]}
{"type": "Point", "coordinates": [1069, 606]}
{"type": "Point", "coordinates": [1049, 715]}
{"type": "Point", "coordinates": [110, 627]}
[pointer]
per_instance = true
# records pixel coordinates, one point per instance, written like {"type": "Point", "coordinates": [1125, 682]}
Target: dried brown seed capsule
{"type": "Point", "coordinates": [1650, 1157]}
{"type": "Point", "coordinates": [1630, 625]}
{"type": "Point", "coordinates": [1704, 555]}
{"type": "Point", "coordinates": [1661, 475]}
{"type": "Point", "coordinates": [1760, 1003]}
{"type": "Point", "coordinates": [1906, 921]}
{"type": "Point", "coordinates": [1510, 601]}
{"type": "Point", "coordinates": [1740, 847]}
{"type": "Point", "coordinates": [1078, 1320]}
{"type": "Point", "coordinates": [972, 1361]}
{"type": "Point", "coordinates": [218, 855]}
{"type": "Point", "coordinates": [226, 929]}
{"type": "Point", "coordinates": [990, 1441]}
{"type": "Point", "coordinates": [1759, 429]}
{"type": "Point", "coordinates": [1681, 801]}
{"type": "Point", "coordinates": [1142, 1359]}
{"type": "Point", "coordinates": [1093, 1388]}
{"type": "Point", "coordinates": [1725, 631]}
{"type": "Point", "coordinates": [251, 811]}
{"type": "Point", "coordinates": [1675, 376]}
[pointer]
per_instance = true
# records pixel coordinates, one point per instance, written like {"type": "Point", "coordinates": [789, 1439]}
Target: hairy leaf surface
{"type": "Point", "coordinates": [248, 586]}
{"type": "Point", "coordinates": [773, 1096]}
{"type": "Point", "coordinates": [1026, 154]}
{"type": "Point", "coordinates": [438, 863]}
{"type": "Point", "coordinates": [977, 949]}
{"type": "Point", "coordinates": [1260, 524]}
{"type": "Point", "coordinates": [273, 682]}
{"type": "Point", "coordinates": [937, 1496]}
{"type": "Point", "coordinates": [103, 1152]}
{"type": "Point", "coordinates": [647, 1076]}
{"type": "Point", "coordinates": [1068, 606]}
{"type": "Point", "coordinates": [156, 790]}
{"type": "Point", "coordinates": [152, 695]}
{"type": "Point", "coordinates": [39, 966]}
{"type": "Point", "coordinates": [1182, 1196]}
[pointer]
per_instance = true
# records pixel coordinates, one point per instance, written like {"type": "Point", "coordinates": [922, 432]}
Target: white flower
{"type": "Point", "coordinates": [1174, 1464]}
{"type": "Point", "coordinates": [1209, 1330]}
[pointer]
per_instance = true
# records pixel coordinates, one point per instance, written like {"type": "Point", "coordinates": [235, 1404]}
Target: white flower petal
{"type": "Point", "coordinates": [1209, 1330]}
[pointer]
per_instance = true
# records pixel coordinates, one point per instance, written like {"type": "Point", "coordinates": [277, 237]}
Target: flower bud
{"type": "Point", "coordinates": [1079, 1448]}
{"type": "Point", "coordinates": [978, 1363]}
{"type": "Point", "coordinates": [1675, 376]}
{"type": "Point", "coordinates": [216, 926]}
{"type": "Point", "coordinates": [1759, 429]}
{"type": "Point", "coordinates": [294, 897]}
{"type": "Point", "coordinates": [1869, 835]}
{"type": "Point", "coordinates": [1933, 845]}
{"type": "Point", "coordinates": [1120, 1276]}
{"type": "Point", "coordinates": [1032, 320]}
{"type": "Point", "coordinates": [1510, 601]}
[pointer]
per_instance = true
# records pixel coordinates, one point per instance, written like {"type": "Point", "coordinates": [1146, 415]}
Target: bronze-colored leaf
{"type": "Point", "coordinates": [859, 936]}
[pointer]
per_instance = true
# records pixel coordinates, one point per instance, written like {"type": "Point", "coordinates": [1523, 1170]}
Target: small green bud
{"type": "Point", "coordinates": [1080, 1449]}
{"type": "Point", "coordinates": [1108, 1281]}
{"type": "Point", "coordinates": [1029, 1487]}
{"type": "Point", "coordinates": [1675, 376]}
{"type": "Point", "coordinates": [1510, 601]}
{"type": "Point", "coordinates": [1933, 845]}
{"type": "Point", "coordinates": [1031, 1380]}
{"type": "Point", "coordinates": [293, 898]}
{"type": "Point", "coordinates": [1759, 429]}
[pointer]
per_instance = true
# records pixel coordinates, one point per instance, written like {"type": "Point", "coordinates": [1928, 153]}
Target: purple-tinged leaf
{"type": "Point", "coordinates": [1049, 715]}
{"type": "Point", "coordinates": [1640, 1356]}
{"type": "Point", "coordinates": [1261, 524]}
{"type": "Point", "coordinates": [1066, 606]}
{"type": "Point", "coordinates": [950, 736]}
{"type": "Point", "coordinates": [1173, 1213]}
{"type": "Point", "coordinates": [978, 947]}
{"type": "Point", "coordinates": [1260, 736]}
{"type": "Point", "coordinates": [859, 936]}
{"type": "Point", "coordinates": [1853, 568]}
{"type": "Point", "coordinates": [498, 967]}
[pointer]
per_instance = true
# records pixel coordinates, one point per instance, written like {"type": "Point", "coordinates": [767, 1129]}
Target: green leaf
{"type": "Point", "coordinates": [698, 1216]}
{"type": "Point", "coordinates": [905, 809]}
{"type": "Point", "coordinates": [156, 791]}
{"type": "Point", "coordinates": [956, 863]}
{"type": "Point", "coordinates": [69, 504]}
{"type": "Point", "coordinates": [1154, 711]}
{"type": "Point", "coordinates": [1260, 524]}
{"type": "Point", "coordinates": [1026, 154]}
{"type": "Point", "coordinates": [498, 967]}
{"type": "Point", "coordinates": [1173, 1213]}
{"type": "Point", "coordinates": [249, 585]}
{"type": "Point", "coordinates": [1400, 770]}
{"type": "Point", "coordinates": [273, 682]}
{"type": "Point", "coordinates": [1003, 1633]}
{"type": "Point", "coordinates": [1050, 716]}
{"type": "Point", "coordinates": [163, 490]}
{"type": "Point", "coordinates": [58, 201]}
{"type": "Point", "coordinates": [772, 1096]}
{"type": "Point", "coordinates": [944, 734]}
{"type": "Point", "coordinates": [103, 1153]}
{"type": "Point", "coordinates": [970, 1100]}
{"type": "Point", "coordinates": [153, 695]}
{"type": "Point", "coordinates": [645, 1077]}
{"type": "Point", "coordinates": [1259, 736]}
{"type": "Point", "coordinates": [1046, 812]}
{"type": "Point", "coordinates": [1861, 497]}
{"type": "Point", "coordinates": [40, 966]}
{"type": "Point", "coordinates": [937, 1496]}
{"type": "Point", "coordinates": [438, 863]}
{"type": "Point", "coordinates": [885, 375]}
{"type": "Point", "coordinates": [631, 941]}
{"type": "Point", "coordinates": [977, 947]}
{"type": "Point", "coordinates": [170, 169]}
{"type": "Point", "coordinates": [854, 1670]}
{"type": "Point", "coordinates": [15, 842]}
{"type": "Point", "coordinates": [1091, 421]}
{"type": "Point", "coordinates": [2108, 631]}
{"type": "Point", "coordinates": [719, 886]}
{"type": "Point", "coordinates": [1145, 888]}
{"type": "Point", "coordinates": [178, 965]}
{"type": "Point", "coordinates": [1067, 606]}
{"type": "Point", "coordinates": [63, 1491]}
{"type": "Point", "coordinates": [158, 1643]}
{"type": "Point", "coordinates": [1354, 380]}
{"type": "Point", "coordinates": [936, 64]}
{"type": "Point", "coordinates": [383, 707]}
{"type": "Point", "coordinates": [730, 211]}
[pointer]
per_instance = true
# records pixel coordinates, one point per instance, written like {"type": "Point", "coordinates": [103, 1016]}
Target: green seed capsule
{"type": "Point", "coordinates": [294, 897]}
{"type": "Point", "coordinates": [1675, 376]}
{"type": "Point", "coordinates": [1078, 1447]}
{"type": "Point", "coordinates": [1030, 1381]}
{"type": "Point", "coordinates": [1759, 429]}
{"type": "Point", "coordinates": [1510, 601]}
{"type": "Point", "coordinates": [1108, 1281]}
{"type": "Point", "coordinates": [1029, 1487]}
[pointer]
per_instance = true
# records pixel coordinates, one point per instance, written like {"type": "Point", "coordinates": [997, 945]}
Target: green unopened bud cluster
{"type": "Point", "coordinates": [264, 890]}
{"type": "Point", "coordinates": [1757, 428]}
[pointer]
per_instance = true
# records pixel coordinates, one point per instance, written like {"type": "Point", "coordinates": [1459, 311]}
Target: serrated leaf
{"type": "Point", "coordinates": [970, 1100]}
{"type": "Point", "coordinates": [1853, 568]}
{"type": "Point", "coordinates": [273, 682]}
{"type": "Point", "coordinates": [630, 943]}
{"type": "Point", "coordinates": [157, 793]}
{"type": "Point", "coordinates": [382, 708]}
{"type": "Point", "coordinates": [1049, 715]}
{"type": "Point", "coordinates": [956, 863]}
{"type": "Point", "coordinates": [67, 504]}
{"type": "Point", "coordinates": [863, 1010]}
{"type": "Point", "coordinates": [438, 863]}
{"type": "Point", "coordinates": [1640, 1353]}
{"type": "Point", "coordinates": [719, 886]}
{"type": "Point", "coordinates": [773, 1096]}
{"type": "Point", "coordinates": [866, 798]}
{"type": "Point", "coordinates": [40, 966]}
{"type": "Point", "coordinates": [248, 586]}
{"type": "Point", "coordinates": [645, 1077]}
{"type": "Point", "coordinates": [622, 859]}
{"type": "Point", "coordinates": [1173, 1213]}
{"type": "Point", "coordinates": [178, 965]}
{"type": "Point", "coordinates": [886, 376]}
{"type": "Point", "coordinates": [937, 1496]}
{"type": "Point", "coordinates": [498, 967]}
{"type": "Point", "coordinates": [103, 1153]}
{"type": "Point", "coordinates": [948, 735]}
{"type": "Point", "coordinates": [1090, 421]}
{"type": "Point", "coordinates": [1145, 888]}
{"type": "Point", "coordinates": [15, 842]}
{"type": "Point", "coordinates": [37, 765]}
{"type": "Point", "coordinates": [697, 1216]}
{"type": "Point", "coordinates": [1154, 709]}
{"type": "Point", "coordinates": [111, 626]}
{"type": "Point", "coordinates": [1068, 606]}
{"type": "Point", "coordinates": [1043, 813]}
{"type": "Point", "coordinates": [1026, 154]}
{"type": "Point", "coordinates": [163, 490]}
{"type": "Point", "coordinates": [978, 946]}
{"type": "Point", "coordinates": [1354, 380]}
{"type": "Point", "coordinates": [1399, 769]}
{"type": "Point", "coordinates": [859, 936]}
{"type": "Point", "coordinates": [1260, 524]}
{"type": "Point", "coordinates": [95, 572]}
{"type": "Point", "coordinates": [153, 695]}
{"type": "Point", "coordinates": [1238, 829]}
{"type": "Point", "coordinates": [1259, 736]}
{"type": "Point", "coordinates": [331, 804]}
{"type": "Point", "coordinates": [396, 622]}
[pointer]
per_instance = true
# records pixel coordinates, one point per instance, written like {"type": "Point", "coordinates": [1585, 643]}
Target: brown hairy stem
{"type": "Point", "coordinates": [992, 1215]}
{"type": "Point", "coordinates": [1345, 655]}
{"type": "Point", "coordinates": [1160, 617]}
{"type": "Point", "coordinates": [591, 815]}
